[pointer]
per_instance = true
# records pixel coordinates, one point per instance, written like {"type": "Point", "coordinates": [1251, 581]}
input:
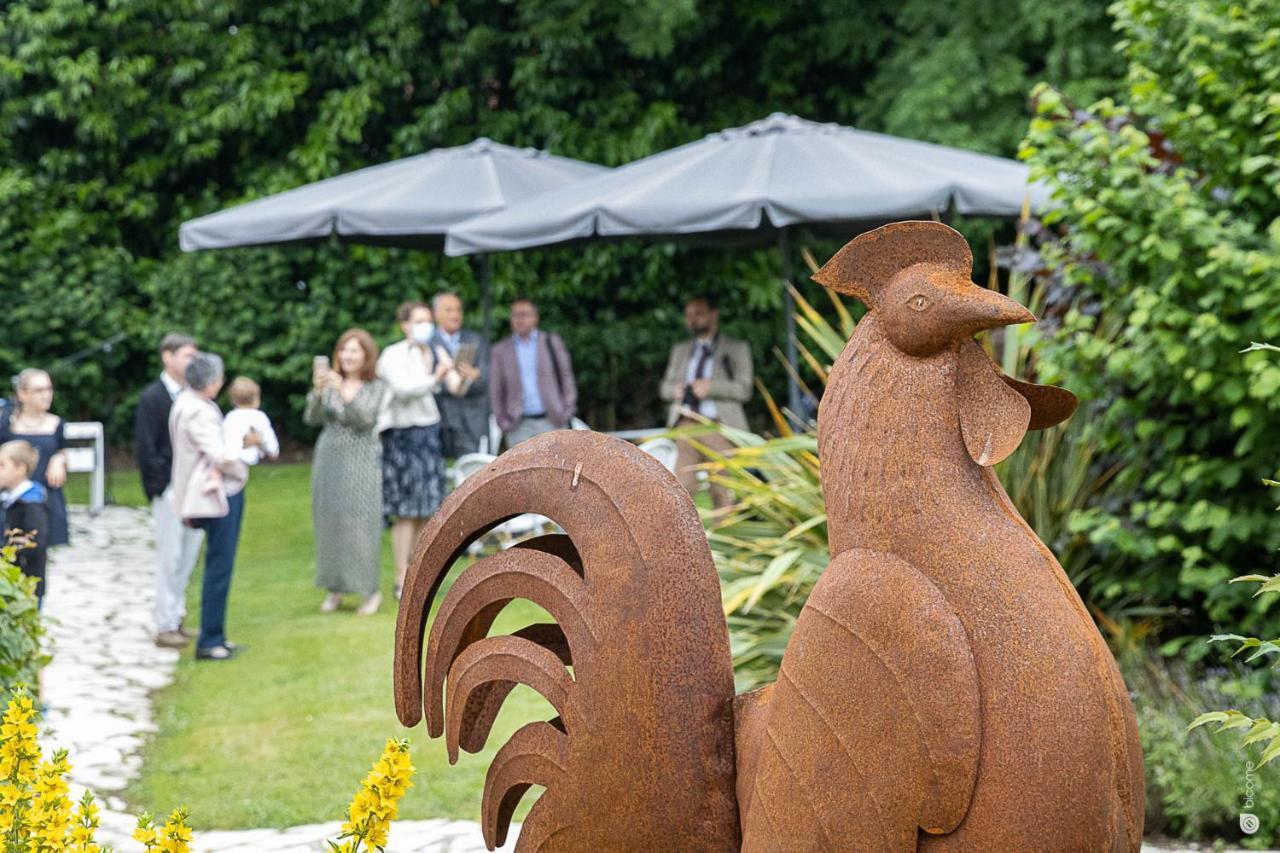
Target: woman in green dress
{"type": "Point", "coordinates": [346, 473]}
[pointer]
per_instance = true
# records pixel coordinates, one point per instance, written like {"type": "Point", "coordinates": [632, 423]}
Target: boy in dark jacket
{"type": "Point", "coordinates": [25, 509]}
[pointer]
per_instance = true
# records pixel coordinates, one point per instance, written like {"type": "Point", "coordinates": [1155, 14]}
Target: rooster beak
{"type": "Point", "coordinates": [983, 309]}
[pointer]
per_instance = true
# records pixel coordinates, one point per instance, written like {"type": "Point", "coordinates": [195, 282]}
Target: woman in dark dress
{"type": "Point", "coordinates": [32, 422]}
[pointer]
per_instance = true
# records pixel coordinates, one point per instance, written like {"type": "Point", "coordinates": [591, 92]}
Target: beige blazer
{"type": "Point", "coordinates": [195, 429]}
{"type": "Point", "coordinates": [732, 380]}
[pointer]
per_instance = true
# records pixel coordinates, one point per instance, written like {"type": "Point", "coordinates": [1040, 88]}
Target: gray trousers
{"type": "Point", "coordinates": [177, 548]}
{"type": "Point", "coordinates": [527, 428]}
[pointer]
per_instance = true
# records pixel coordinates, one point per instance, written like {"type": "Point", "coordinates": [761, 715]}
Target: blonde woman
{"type": "Point", "coordinates": [32, 422]}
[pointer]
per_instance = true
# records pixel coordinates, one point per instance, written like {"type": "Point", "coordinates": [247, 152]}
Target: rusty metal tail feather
{"type": "Point", "coordinates": [641, 754]}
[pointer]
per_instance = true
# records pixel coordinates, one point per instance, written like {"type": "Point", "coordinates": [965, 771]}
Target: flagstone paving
{"type": "Point", "coordinates": [98, 693]}
{"type": "Point", "coordinates": [97, 689]}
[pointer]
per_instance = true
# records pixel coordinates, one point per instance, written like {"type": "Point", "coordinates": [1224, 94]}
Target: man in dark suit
{"type": "Point", "coordinates": [177, 546]}
{"type": "Point", "coordinates": [464, 419]}
{"type": "Point", "coordinates": [531, 386]}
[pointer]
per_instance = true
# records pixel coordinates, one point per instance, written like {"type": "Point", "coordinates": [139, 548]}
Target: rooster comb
{"type": "Point", "coordinates": [869, 261]}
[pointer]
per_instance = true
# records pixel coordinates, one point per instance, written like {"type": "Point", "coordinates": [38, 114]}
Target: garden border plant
{"type": "Point", "coordinates": [1254, 730]}
{"type": "Point", "coordinates": [1167, 204]}
{"type": "Point", "coordinates": [36, 813]}
{"type": "Point", "coordinates": [21, 628]}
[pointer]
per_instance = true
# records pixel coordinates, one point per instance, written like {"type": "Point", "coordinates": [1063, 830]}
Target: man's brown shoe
{"type": "Point", "coordinates": [172, 639]}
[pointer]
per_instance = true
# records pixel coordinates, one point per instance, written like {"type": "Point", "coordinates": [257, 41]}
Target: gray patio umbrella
{"type": "Point", "coordinates": [751, 184]}
{"type": "Point", "coordinates": [410, 202]}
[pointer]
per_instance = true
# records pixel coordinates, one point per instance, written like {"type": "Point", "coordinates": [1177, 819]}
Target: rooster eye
{"type": "Point", "coordinates": [919, 302]}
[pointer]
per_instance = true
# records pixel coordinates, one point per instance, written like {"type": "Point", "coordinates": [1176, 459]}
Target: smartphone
{"type": "Point", "coordinates": [320, 362]}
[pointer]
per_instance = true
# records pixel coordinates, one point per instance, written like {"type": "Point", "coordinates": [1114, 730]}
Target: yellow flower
{"type": "Point", "coordinates": [376, 804]}
{"type": "Point", "coordinates": [86, 823]}
{"type": "Point", "coordinates": [49, 815]}
{"type": "Point", "coordinates": [35, 811]}
{"type": "Point", "coordinates": [175, 837]}
{"type": "Point", "coordinates": [145, 833]}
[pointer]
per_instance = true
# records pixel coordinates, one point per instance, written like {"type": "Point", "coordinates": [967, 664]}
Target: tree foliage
{"type": "Point", "coordinates": [1171, 215]}
{"type": "Point", "coordinates": [119, 120]}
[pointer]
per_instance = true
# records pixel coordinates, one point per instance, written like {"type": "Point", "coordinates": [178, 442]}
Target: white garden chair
{"type": "Point", "coordinates": [511, 530]}
{"type": "Point", "coordinates": [662, 449]}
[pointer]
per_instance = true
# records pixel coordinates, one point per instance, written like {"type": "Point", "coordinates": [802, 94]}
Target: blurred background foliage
{"type": "Point", "coordinates": [119, 120]}
{"type": "Point", "coordinates": [1168, 230]}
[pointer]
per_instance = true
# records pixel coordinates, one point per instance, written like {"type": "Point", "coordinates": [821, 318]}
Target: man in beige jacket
{"type": "Point", "coordinates": [710, 376]}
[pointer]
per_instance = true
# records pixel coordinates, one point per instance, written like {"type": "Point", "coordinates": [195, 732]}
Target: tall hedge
{"type": "Point", "coordinates": [1170, 204]}
{"type": "Point", "coordinates": [120, 119]}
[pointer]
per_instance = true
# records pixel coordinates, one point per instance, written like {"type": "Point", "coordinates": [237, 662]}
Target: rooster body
{"type": "Point", "coordinates": [944, 687]}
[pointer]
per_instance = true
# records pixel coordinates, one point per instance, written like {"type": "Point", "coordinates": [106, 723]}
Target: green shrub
{"type": "Point", "coordinates": [1196, 784]}
{"type": "Point", "coordinates": [20, 628]}
{"type": "Point", "coordinates": [1169, 207]}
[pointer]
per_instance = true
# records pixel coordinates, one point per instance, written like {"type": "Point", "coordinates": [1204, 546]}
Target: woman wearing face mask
{"type": "Point", "coordinates": [409, 424]}
{"type": "Point", "coordinates": [32, 422]}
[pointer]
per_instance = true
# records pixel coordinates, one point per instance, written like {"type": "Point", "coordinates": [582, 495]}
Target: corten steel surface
{"type": "Point", "coordinates": [944, 687]}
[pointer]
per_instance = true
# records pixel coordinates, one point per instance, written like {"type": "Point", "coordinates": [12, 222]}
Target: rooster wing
{"type": "Point", "coordinates": [878, 686]}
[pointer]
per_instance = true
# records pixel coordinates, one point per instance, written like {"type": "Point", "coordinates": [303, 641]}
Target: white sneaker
{"type": "Point", "coordinates": [331, 602]}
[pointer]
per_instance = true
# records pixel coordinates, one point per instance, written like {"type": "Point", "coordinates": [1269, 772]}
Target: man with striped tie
{"type": "Point", "coordinates": [708, 376]}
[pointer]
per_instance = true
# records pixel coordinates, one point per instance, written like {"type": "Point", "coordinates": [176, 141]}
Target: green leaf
{"type": "Point", "coordinates": [1272, 750]}
{"type": "Point", "coordinates": [1206, 718]}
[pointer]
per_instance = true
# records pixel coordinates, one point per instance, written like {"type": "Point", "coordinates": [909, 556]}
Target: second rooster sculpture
{"type": "Point", "coordinates": [944, 688]}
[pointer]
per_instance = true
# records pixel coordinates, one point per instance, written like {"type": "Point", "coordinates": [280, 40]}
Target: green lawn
{"type": "Point", "coordinates": [284, 734]}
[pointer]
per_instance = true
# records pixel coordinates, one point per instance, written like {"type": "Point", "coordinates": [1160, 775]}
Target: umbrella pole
{"type": "Point", "coordinates": [486, 296]}
{"type": "Point", "coordinates": [789, 307]}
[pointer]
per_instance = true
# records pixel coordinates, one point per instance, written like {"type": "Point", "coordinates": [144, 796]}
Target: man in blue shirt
{"type": "Point", "coordinates": [531, 389]}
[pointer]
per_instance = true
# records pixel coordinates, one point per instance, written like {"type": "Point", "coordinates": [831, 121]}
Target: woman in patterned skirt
{"type": "Point", "coordinates": [346, 474]}
{"type": "Point", "coordinates": [412, 455]}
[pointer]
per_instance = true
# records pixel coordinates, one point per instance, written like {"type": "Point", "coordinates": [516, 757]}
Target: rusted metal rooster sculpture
{"type": "Point", "coordinates": [944, 688]}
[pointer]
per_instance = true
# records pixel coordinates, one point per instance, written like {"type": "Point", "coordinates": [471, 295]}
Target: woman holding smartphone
{"type": "Point", "coordinates": [346, 472]}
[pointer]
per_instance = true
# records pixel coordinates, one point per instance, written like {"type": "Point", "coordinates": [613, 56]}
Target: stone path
{"type": "Point", "coordinates": [98, 689]}
{"type": "Point", "coordinates": [105, 667]}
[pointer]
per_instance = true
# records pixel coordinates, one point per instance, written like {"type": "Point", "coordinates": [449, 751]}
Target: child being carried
{"type": "Point", "coordinates": [246, 429]}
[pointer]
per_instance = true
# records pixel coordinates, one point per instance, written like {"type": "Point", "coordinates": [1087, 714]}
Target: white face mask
{"type": "Point", "coordinates": [422, 332]}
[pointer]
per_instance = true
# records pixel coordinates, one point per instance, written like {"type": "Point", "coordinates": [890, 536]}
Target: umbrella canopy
{"type": "Point", "coordinates": [750, 184]}
{"type": "Point", "coordinates": [748, 181]}
{"type": "Point", "coordinates": [410, 202]}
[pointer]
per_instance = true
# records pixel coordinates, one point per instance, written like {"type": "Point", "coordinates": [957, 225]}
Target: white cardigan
{"type": "Point", "coordinates": [411, 386]}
